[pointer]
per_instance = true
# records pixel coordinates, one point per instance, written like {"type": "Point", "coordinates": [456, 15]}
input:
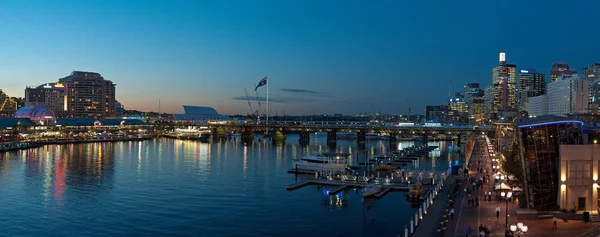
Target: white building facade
{"type": "Point", "coordinates": [537, 106]}
{"type": "Point", "coordinates": [568, 95]}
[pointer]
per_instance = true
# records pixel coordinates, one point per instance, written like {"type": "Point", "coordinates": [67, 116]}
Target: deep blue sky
{"type": "Point", "coordinates": [322, 56]}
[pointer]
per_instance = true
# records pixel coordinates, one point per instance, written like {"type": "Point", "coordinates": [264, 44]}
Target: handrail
{"type": "Point", "coordinates": [593, 231]}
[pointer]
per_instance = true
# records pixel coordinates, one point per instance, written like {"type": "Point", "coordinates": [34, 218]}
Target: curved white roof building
{"type": "Point", "coordinates": [200, 114]}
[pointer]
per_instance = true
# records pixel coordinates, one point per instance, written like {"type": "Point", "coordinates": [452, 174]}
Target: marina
{"type": "Point", "coordinates": [344, 185]}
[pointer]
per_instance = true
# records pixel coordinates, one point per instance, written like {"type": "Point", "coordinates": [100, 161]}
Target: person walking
{"type": "Point", "coordinates": [554, 223]}
{"type": "Point", "coordinates": [497, 212]}
{"type": "Point", "coordinates": [469, 231]}
{"type": "Point", "coordinates": [452, 213]}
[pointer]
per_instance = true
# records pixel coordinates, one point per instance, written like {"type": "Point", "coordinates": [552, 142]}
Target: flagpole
{"type": "Point", "coordinates": [267, 102]}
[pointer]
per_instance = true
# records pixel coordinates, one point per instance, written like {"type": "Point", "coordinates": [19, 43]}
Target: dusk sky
{"type": "Point", "coordinates": [323, 56]}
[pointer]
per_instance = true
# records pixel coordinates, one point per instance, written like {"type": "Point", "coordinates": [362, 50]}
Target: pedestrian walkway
{"type": "Point", "coordinates": [430, 223]}
{"type": "Point", "coordinates": [484, 214]}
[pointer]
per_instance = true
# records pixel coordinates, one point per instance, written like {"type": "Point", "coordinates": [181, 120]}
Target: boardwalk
{"type": "Point", "coordinates": [430, 223]}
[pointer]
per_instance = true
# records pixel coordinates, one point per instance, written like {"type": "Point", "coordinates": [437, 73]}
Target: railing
{"type": "Point", "coordinates": [593, 232]}
{"type": "Point", "coordinates": [424, 207]}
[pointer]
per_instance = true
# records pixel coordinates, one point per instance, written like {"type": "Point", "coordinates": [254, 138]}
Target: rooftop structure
{"type": "Point", "coordinates": [36, 114]}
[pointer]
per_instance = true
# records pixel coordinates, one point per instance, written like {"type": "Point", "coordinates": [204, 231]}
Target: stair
{"type": "Point", "coordinates": [595, 218]}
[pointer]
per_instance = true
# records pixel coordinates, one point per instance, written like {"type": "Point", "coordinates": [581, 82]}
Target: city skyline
{"type": "Point", "coordinates": [319, 57]}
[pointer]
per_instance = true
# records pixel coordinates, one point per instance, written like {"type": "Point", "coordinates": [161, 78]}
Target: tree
{"type": "Point", "coordinates": [512, 162]}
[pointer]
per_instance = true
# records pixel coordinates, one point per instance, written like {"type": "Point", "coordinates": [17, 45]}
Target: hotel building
{"type": "Point", "coordinates": [50, 96]}
{"type": "Point", "coordinates": [80, 95]}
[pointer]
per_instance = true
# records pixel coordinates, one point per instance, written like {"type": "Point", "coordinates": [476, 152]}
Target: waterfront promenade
{"type": "Point", "coordinates": [484, 213]}
{"type": "Point", "coordinates": [430, 224]}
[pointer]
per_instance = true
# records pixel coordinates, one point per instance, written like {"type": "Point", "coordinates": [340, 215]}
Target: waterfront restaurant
{"type": "Point", "coordinates": [579, 168]}
{"type": "Point", "coordinates": [540, 140]}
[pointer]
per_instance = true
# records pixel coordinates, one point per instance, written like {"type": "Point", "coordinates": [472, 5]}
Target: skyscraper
{"type": "Point", "coordinates": [475, 102]}
{"type": "Point", "coordinates": [591, 72]}
{"type": "Point", "coordinates": [534, 80]}
{"type": "Point", "coordinates": [504, 79]}
{"type": "Point", "coordinates": [560, 69]}
{"type": "Point", "coordinates": [488, 102]}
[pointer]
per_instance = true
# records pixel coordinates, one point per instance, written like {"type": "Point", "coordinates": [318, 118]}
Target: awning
{"type": "Point", "coordinates": [502, 186]}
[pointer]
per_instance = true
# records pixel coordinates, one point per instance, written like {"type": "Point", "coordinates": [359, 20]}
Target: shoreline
{"type": "Point", "coordinates": [24, 145]}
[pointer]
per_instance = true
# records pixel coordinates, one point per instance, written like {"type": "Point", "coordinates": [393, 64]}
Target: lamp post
{"type": "Point", "coordinates": [508, 195]}
{"type": "Point", "coordinates": [522, 228]}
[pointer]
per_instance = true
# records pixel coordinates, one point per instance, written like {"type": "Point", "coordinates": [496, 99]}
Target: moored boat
{"type": "Point", "coordinates": [336, 162]}
{"type": "Point", "coordinates": [371, 190]}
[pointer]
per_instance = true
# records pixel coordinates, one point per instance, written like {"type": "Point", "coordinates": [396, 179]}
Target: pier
{"type": "Point", "coordinates": [343, 185]}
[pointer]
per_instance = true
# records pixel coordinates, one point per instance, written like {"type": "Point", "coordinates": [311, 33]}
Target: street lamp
{"type": "Point", "coordinates": [522, 228]}
{"type": "Point", "coordinates": [508, 195]}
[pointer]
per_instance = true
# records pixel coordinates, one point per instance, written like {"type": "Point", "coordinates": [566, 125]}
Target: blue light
{"type": "Point", "coordinates": [549, 123]}
{"type": "Point", "coordinates": [524, 71]}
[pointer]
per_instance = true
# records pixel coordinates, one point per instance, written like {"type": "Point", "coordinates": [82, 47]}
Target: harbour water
{"type": "Point", "coordinates": [170, 187]}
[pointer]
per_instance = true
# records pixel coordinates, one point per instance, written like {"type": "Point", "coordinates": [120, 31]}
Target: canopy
{"type": "Point", "coordinates": [517, 189]}
{"type": "Point", "coordinates": [502, 186]}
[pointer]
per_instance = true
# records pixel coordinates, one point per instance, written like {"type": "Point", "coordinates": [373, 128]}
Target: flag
{"type": "Point", "coordinates": [261, 83]}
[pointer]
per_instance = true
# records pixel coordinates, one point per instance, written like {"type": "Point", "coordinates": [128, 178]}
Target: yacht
{"type": "Point", "coordinates": [337, 162]}
{"type": "Point", "coordinates": [371, 190]}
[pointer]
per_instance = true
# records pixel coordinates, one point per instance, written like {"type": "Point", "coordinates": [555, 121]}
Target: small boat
{"type": "Point", "coordinates": [371, 190]}
{"type": "Point", "coordinates": [415, 193]}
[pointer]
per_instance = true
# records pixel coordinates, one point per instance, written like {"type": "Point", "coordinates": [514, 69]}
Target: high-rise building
{"type": "Point", "coordinates": [568, 95]}
{"type": "Point", "coordinates": [459, 110]}
{"type": "Point", "coordinates": [534, 80]}
{"type": "Point", "coordinates": [560, 69]}
{"type": "Point", "coordinates": [504, 79]}
{"type": "Point", "coordinates": [88, 94]}
{"type": "Point", "coordinates": [437, 113]}
{"type": "Point", "coordinates": [474, 96]}
{"type": "Point", "coordinates": [591, 72]}
{"type": "Point", "coordinates": [50, 95]}
{"type": "Point", "coordinates": [537, 106]}
{"type": "Point", "coordinates": [594, 93]}
{"type": "Point", "coordinates": [524, 96]}
{"type": "Point", "coordinates": [7, 105]}
{"type": "Point", "coordinates": [488, 102]}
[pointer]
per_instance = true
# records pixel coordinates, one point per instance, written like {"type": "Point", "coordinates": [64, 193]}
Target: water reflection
{"type": "Point", "coordinates": [166, 187]}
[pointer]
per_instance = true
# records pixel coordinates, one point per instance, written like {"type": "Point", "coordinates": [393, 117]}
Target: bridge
{"type": "Point", "coordinates": [278, 130]}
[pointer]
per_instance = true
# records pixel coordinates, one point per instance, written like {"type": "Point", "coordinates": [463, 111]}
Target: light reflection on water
{"type": "Point", "coordinates": [169, 187]}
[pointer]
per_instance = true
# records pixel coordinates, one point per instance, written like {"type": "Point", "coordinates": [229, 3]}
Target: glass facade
{"type": "Point", "coordinates": [37, 114]}
{"type": "Point", "coordinates": [541, 160]}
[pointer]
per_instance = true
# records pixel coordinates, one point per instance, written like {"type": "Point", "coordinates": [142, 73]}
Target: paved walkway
{"type": "Point", "coordinates": [430, 223]}
{"type": "Point", "coordinates": [484, 213]}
